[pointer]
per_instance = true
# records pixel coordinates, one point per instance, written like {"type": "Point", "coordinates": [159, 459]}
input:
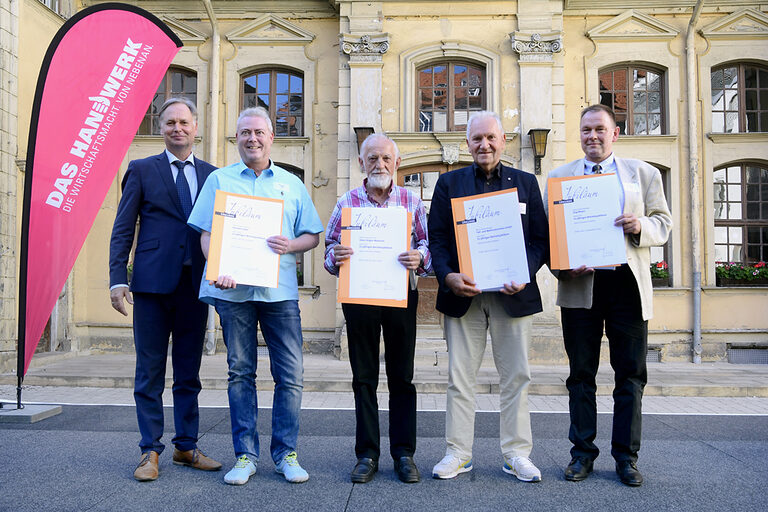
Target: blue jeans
{"type": "Point", "coordinates": [281, 326]}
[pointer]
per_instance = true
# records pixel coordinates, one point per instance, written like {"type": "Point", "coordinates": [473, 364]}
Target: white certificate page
{"type": "Point", "coordinates": [496, 241]}
{"type": "Point", "coordinates": [590, 207]}
{"type": "Point", "coordinates": [245, 254]}
{"type": "Point", "coordinates": [379, 235]}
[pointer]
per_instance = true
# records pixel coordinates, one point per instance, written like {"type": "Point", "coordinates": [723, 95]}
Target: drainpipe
{"type": "Point", "coordinates": [211, 134]}
{"type": "Point", "coordinates": [693, 171]}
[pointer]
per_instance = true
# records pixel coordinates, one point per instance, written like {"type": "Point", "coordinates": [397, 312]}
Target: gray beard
{"type": "Point", "coordinates": [380, 181]}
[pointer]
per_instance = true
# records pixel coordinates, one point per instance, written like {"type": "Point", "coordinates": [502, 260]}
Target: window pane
{"type": "Point", "coordinates": [425, 77]}
{"type": "Point", "coordinates": [734, 211]}
{"type": "Point", "coordinates": [425, 121]}
{"type": "Point", "coordinates": [731, 122]}
{"type": "Point", "coordinates": [750, 77]}
{"type": "Point", "coordinates": [654, 102]}
{"type": "Point", "coordinates": [296, 128]}
{"type": "Point", "coordinates": [720, 210]}
{"type": "Point", "coordinates": [263, 83]}
{"type": "Point", "coordinates": [297, 84]}
{"type": "Point", "coordinates": [639, 80]}
{"type": "Point", "coordinates": [718, 102]}
{"type": "Point", "coordinates": [764, 121]}
{"type": "Point", "coordinates": [281, 105]}
{"type": "Point", "coordinates": [716, 80]}
{"type": "Point", "coordinates": [282, 84]}
{"type": "Point", "coordinates": [441, 76]}
{"type": "Point", "coordinates": [730, 78]}
{"type": "Point", "coordinates": [721, 234]}
{"type": "Point", "coordinates": [620, 80]}
{"type": "Point", "coordinates": [281, 126]}
{"type": "Point", "coordinates": [750, 100]}
{"type": "Point", "coordinates": [441, 101]}
{"type": "Point", "coordinates": [718, 124]}
{"type": "Point", "coordinates": [721, 253]}
{"type": "Point", "coordinates": [763, 75]}
{"type": "Point", "coordinates": [249, 85]}
{"type": "Point", "coordinates": [751, 122]}
{"type": "Point", "coordinates": [641, 102]}
{"type": "Point", "coordinates": [606, 81]}
{"type": "Point", "coordinates": [426, 98]}
{"type": "Point", "coordinates": [476, 102]}
{"type": "Point", "coordinates": [640, 125]}
{"type": "Point", "coordinates": [440, 121]}
{"type": "Point", "coordinates": [413, 181]}
{"type": "Point", "coordinates": [731, 99]}
{"type": "Point", "coordinates": [734, 235]}
{"type": "Point", "coordinates": [460, 101]}
{"type": "Point", "coordinates": [264, 101]}
{"type": "Point", "coordinates": [429, 182]}
{"type": "Point", "coordinates": [734, 192]}
{"type": "Point", "coordinates": [250, 100]}
{"type": "Point", "coordinates": [621, 103]}
{"type": "Point", "coordinates": [621, 122]}
{"type": "Point", "coordinates": [735, 251]}
{"type": "Point", "coordinates": [654, 81]}
{"type": "Point", "coordinates": [734, 176]}
{"type": "Point", "coordinates": [753, 192]}
{"type": "Point", "coordinates": [655, 124]}
{"type": "Point", "coordinates": [460, 78]}
{"type": "Point", "coordinates": [606, 98]}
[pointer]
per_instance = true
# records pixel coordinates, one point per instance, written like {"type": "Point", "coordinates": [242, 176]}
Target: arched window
{"type": "Point", "coordinates": [741, 212]}
{"type": "Point", "coordinates": [447, 93]}
{"type": "Point", "coordinates": [176, 82]}
{"type": "Point", "coordinates": [739, 98]}
{"type": "Point", "coordinates": [281, 93]}
{"type": "Point", "coordinates": [636, 95]}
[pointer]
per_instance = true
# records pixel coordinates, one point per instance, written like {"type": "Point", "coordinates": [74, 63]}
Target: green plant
{"type": "Point", "coordinates": [741, 271]}
{"type": "Point", "coordinates": [659, 270]}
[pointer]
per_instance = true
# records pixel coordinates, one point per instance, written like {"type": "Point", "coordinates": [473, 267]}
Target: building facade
{"type": "Point", "coordinates": [688, 80]}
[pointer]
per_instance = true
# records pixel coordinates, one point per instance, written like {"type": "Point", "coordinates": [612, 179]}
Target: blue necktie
{"type": "Point", "coordinates": [182, 188]}
{"type": "Point", "coordinates": [185, 196]}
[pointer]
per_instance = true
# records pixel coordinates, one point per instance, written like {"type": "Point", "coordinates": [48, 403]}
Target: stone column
{"type": "Point", "coordinates": [538, 42]}
{"type": "Point", "coordinates": [9, 57]}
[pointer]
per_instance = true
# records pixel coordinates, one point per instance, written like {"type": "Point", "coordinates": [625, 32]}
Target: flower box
{"type": "Point", "coordinates": [724, 281]}
{"type": "Point", "coordinates": [660, 282]}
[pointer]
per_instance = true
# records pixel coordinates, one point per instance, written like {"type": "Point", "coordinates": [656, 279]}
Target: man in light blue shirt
{"type": "Point", "coordinates": [242, 308]}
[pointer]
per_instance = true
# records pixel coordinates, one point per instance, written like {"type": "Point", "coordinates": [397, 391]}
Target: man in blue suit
{"type": "Point", "coordinates": [470, 314]}
{"type": "Point", "coordinates": [159, 192]}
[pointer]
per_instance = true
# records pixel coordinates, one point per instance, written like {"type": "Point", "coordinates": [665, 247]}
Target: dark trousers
{"type": "Point", "coordinates": [615, 306]}
{"type": "Point", "coordinates": [155, 318]}
{"type": "Point", "coordinates": [364, 327]}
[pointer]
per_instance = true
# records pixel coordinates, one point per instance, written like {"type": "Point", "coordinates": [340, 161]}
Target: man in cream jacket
{"type": "Point", "coordinates": [618, 300]}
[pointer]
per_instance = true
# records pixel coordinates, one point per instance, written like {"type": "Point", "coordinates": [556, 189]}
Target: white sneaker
{"type": "Point", "coordinates": [241, 472]}
{"type": "Point", "coordinates": [289, 467]}
{"type": "Point", "coordinates": [523, 469]}
{"type": "Point", "coordinates": [451, 466]}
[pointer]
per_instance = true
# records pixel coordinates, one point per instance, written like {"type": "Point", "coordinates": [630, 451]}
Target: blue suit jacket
{"type": "Point", "coordinates": [442, 238]}
{"type": "Point", "coordinates": [149, 195]}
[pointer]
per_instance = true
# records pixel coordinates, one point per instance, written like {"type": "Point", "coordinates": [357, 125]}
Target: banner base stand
{"type": "Point", "coordinates": [31, 413]}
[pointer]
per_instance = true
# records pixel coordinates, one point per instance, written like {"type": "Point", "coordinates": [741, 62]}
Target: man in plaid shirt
{"type": "Point", "coordinates": [379, 158]}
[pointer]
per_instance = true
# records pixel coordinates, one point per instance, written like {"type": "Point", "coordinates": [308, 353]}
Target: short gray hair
{"type": "Point", "coordinates": [172, 101]}
{"type": "Point", "coordinates": [374, 137]}
{"type": "Point", "coordinates": [483, 114]}
{"type": "Point", "coordinates": [256, 112]}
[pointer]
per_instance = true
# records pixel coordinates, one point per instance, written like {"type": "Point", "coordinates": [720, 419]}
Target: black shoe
{"type": "Point", "coordinates": [406, 470]}
{"type": "Point", "coordinates": [578, 469]}
{"type": "Point", "coordinates": [364, 470]}
{"type": "Point", "coordinates": [628, 473]}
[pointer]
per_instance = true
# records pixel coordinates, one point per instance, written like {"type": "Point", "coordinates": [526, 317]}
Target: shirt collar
{"type": "Point", "coordinates": [608, 165]}
{"type": "Point", "coordinates": [247, 170]}
{"type": "Point", "coordinates": [172, 158]}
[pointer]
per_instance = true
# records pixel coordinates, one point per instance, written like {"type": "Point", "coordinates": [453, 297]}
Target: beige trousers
{"type": "Point", "coordinates": [466, 338]}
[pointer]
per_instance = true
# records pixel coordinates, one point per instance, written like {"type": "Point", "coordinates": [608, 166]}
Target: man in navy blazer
{"type": "Point", "coordinates": [470, 313]}
{"type": "Point", "coordinates": [159, 192]}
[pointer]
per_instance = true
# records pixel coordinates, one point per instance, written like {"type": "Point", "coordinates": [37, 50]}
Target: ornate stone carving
{"type": "Point", "coordinates": [365, 45]}
{"type": "Point", "coordinates": [536, 47]}
{"type": "Point", "coordinates": [450, 153]}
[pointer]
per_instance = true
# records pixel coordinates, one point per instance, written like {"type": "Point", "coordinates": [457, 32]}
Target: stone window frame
{"type": "Point", "coordinates": [445, 51]}
{"type": "Point", "coordinates": [741, 94]}
{"type": "Point", "coordinates": [629, 68]}
{"type": "Point", "coordinates": [273, 71]}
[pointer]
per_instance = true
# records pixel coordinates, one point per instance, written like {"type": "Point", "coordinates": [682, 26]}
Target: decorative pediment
{"type": "Point", "coordinates": [633, 25]}
{"type": "Point", "coordinates": [270, 29]}
{"type": "Point", "coordinates": [744, 23]}
{"type": "Point", "coordinates": [187, 33]}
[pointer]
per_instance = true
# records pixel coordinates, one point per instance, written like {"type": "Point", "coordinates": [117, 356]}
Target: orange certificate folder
{"type": "Point", "coordinates": [372, 275]}
{"type": "Point", "coordinates": [241, 224]}
{"type": "Point", "coordinates": [489, 238]}
{"type": "Point", "coordinates": [581, 213]}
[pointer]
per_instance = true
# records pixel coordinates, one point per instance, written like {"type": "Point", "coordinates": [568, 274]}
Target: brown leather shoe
{"type": "Point", "coordinates": [195, 459]}
{"type": "Point", "coordinates": [147, 469]}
